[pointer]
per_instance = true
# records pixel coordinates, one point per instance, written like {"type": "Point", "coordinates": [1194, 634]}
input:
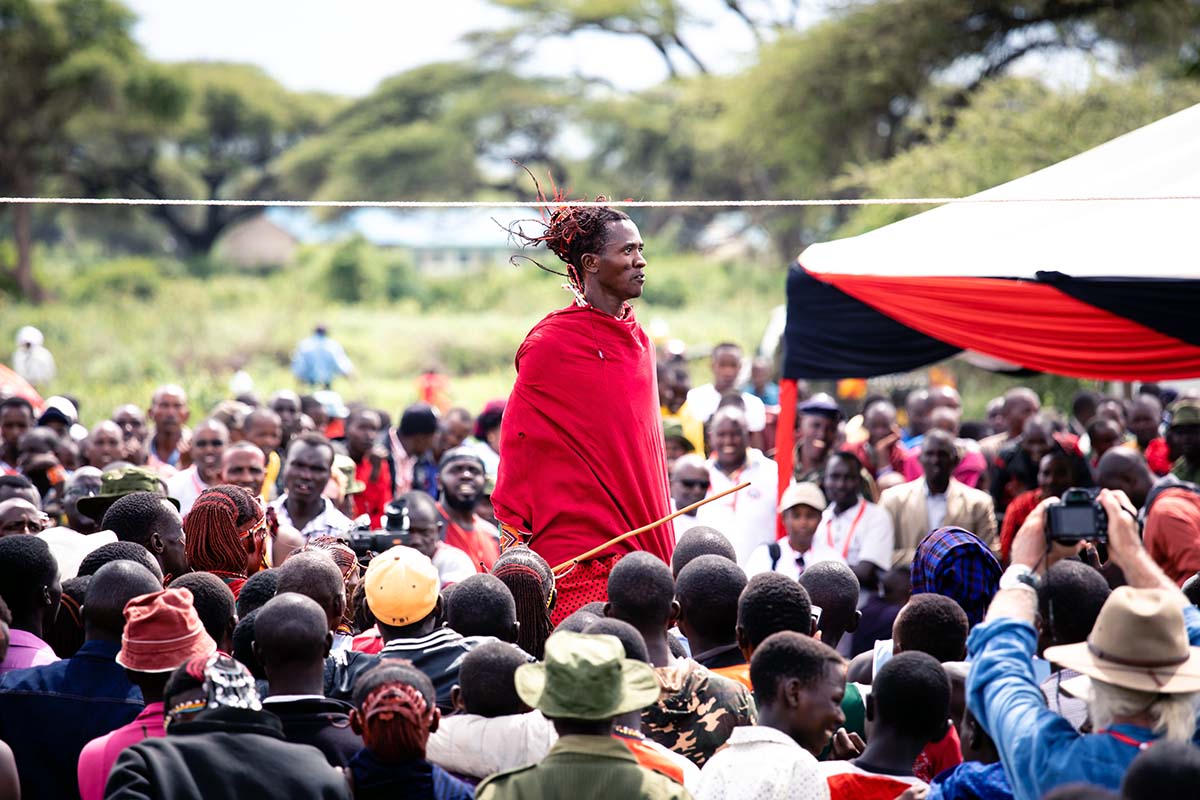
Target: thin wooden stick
{"type": "Point", "coordinates": [644, 528]}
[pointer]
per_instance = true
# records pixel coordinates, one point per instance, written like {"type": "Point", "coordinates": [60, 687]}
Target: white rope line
{"type": "Point", "coordinates": [516, 204]}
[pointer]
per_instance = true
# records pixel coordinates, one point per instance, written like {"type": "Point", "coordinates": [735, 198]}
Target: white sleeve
{"type": "Point", "coordinates": [453, 565]}
{"type": "Point", "coordinates": [759, 561]}
{"type": "Point", "coordinates": [756, 413]}
{"type": "Point", "coordinates": [878, 540]}
{"type": "Point", "coordinates": [808, 782]}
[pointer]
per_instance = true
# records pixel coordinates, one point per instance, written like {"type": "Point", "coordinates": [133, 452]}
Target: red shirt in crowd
{"type": "Point", "coordinates": [482, 543]}
{"type": "Point", "coordinates": [1172, 534]}
{"type": "Point", "coordinates": [374, 499]}
{"type": "Point", "coordinates": [1157, 457]}
{"type": "Point", "coordinates": [1014, 517]}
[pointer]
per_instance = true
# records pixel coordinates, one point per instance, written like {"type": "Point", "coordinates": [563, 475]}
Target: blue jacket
{"type": "Point", "coordinates": [47, 715]}
{"type": "Point", "coordinates": [1039, 749]}
{"type": "Point", "coordinates": [319, 359]}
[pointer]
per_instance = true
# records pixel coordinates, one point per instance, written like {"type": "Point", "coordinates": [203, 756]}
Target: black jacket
{"type": "Point", "coordinates": [323, 723]}
{"type": "Point", "coordinates": [224, 753]}
{"type": "Point", "coordinates": [438, 654]}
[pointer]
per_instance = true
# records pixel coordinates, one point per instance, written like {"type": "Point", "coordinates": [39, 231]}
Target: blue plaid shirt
{"type": "Point", "coordinates": [956, 563]}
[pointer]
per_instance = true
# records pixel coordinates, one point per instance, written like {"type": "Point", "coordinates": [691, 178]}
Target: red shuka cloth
{"type": "Point", "coordinates": [581, 442]}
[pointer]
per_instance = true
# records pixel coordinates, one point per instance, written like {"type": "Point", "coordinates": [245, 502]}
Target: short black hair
{"type": "Point", "coordinates": [310, 439]}
{"type": "Point", "coordinates": [243, 645]}
{"type": "Point", "coordinates": [392, 671]}
{"type": "Point", "coordinates": [26, 565]}
{"type": "Point", "coordinates": [257, 590]}
{"type": "Point", "coordinates": [16, 481]}
{"type": "Point", "coordinates": [114, 585]}
{"type": "Point", "coordinates": [933, 624]}
{"type": "Point", "coordinates": [576, 622]}
{"type": "Point", "coordinates": [785, 655]}
{"type": "Point", "coordinates": [482, 605]}
{"type": "Point", "coordinates": [631, 639]}
{"type": "Point", "coordinates": [727, 346]}
{"type": "Point", "coordinates": [486, 680]}
{"type": "Point", "coordinates": [700, 540]}
{"type": "Point", "coordinates": [1168, 769]}
{"type": "Point", "coordinates": [771, 603]}
{"type": "Point", "coordinates": [119, 551]}
{"type": "Point", "coordinates": [912, 695]}
{"type": "Point", "coordinates": [1069, 599]}
{"type": "Point", "coordinates": [181, 681]}
{"type": "Point", "coordinates": [832, 586]}
{"type": "Point", "coordinates": [291, 629]}
{"type": "Point", "coordinates": [854, 461]}
{"type": "Point", "coordinates": [135, 516]}
{"type": "Point", "coordinates": [212, 599]}
{"type": "Point", "coordinates": [708, 589]}
{"type": "Point", "coordinates": [5, 613]}
{"type": "Point", "coordinates": [65, 634]}
{"type": "Point", "coordinates": [641, 590]}
{"type": "Point", "coordinates": [313, 573]}
{"type": "Point", "coordinates": [16, 401]}
{"type": "Point", "coordinates": [1084, 401]}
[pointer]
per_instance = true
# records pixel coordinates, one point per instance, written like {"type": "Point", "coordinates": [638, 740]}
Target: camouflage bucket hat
{"type": "Point", "coordinates": [116, 484]}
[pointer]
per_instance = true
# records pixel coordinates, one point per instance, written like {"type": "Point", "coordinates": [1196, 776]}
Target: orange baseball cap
{"type": "Point", "coordinates": [401, 586]}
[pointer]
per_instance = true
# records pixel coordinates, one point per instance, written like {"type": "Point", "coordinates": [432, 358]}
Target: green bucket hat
{"type": "Point", "coordinates": [117, 483]}
{"type": "Point", "coordinates": [1185, 412]}
{"type": "Point", "coordinates": [346, 466]}
{"type": "Point", "coordinates": [586, 677]}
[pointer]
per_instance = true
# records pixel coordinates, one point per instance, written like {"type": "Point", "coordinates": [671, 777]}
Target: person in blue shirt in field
{"type": "Point", "coordinates": [319, 359]}
{"type": "Point", "coordinates": [1140, 666]}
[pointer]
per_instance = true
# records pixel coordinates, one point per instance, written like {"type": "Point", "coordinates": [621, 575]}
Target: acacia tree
{"type": "Point", "coordinates": [61, 60]}
{"type": "Point", "coordinates": [440, 131]}
{"type": "Point", "coordinates": [860, 86]}
{"type": "Point", "coordinates": [236, 123]}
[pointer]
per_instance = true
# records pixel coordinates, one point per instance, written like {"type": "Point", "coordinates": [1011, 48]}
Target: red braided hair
{"type": "Point", "coordinates": [213, 543]}
{"type": "Point", "coordinates": [570, 232]}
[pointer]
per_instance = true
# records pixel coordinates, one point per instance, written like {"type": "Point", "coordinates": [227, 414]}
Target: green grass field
{"type": "Point", "coordinates": [118, 329]}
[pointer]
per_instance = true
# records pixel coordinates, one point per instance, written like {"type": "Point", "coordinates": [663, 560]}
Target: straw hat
{"type": "Point", "coordinates": [1139, 642]}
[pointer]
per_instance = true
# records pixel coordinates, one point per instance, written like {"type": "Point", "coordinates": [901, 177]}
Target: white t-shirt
{"type": "Point", "coordinates": [761, 763]}
{"type": "Point", "coordinates": [703, 400]}
{"type": "Point", "coordinates": [862, 532]}
{"type": "Point", "coordinates": [453, 565]}
{"type": "Point", "coordinates": [186, 487]}
{"type": "Point", "coordinates": [760, 560]}
{"type": "Point", "coordinates": [747, 518]}
{"type": "Point", "coordinates": [935, 506]}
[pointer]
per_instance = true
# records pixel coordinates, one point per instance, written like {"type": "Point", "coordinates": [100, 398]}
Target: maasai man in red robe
{"type": "Point", "coordinates": [581, 445]}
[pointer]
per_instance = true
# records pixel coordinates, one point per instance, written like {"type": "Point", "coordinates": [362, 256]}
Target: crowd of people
{"type": "Point", "coordinates": [293, 597]}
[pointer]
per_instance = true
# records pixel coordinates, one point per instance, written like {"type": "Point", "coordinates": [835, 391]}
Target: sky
{"type": "Point", "coordinates": [347, 46]}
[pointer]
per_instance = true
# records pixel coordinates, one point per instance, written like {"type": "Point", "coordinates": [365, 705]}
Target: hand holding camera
{"type": "Point", "coordinates": [1078, 517]}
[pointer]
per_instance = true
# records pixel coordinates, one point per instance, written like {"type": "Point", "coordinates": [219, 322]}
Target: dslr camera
{"type": "Point", "coordinates": [367, 543]}
{"type": "Point", "coordinates": [1077, 517]}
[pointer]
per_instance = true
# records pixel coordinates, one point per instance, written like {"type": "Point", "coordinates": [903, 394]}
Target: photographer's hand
{"type": "Point", "coordinates": [1125, 546]}
{"type": "Point", "coordinates": [1031, 549]}
{"type": "Point", "coordinates": [1031, 546]}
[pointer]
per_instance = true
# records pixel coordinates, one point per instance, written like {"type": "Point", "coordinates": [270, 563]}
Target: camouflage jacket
{"type": "Point", "coordinates": [696, 710]}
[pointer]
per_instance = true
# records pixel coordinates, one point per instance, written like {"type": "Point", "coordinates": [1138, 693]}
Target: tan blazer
{"type": "Point", "coordinates": [965, 507]}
